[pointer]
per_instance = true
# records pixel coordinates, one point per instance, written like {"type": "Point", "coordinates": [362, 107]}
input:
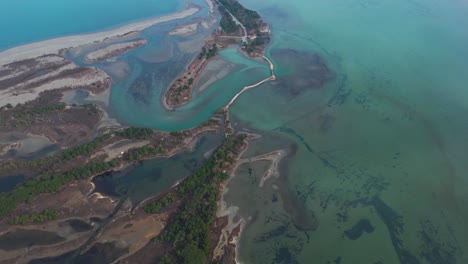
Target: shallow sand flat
{"type": "Point", "coordinates": [184, 30]}
{"type": "Point", "coordinates": [210, 5]}
{"type": "Point", "coordinates": [18, 94]}
{"type": "Point", "coordinates": [113, 50]}
{"type": "Point", "coordinates": [54, 46]}
{"type": "Point", "coordinates": [25, 143]}
{"type": "Point", "coordinates": [116, 149]}
{"type": "Point", "coordinates": [12, 71]}
{"type": "Point", "coordinates": [213, 72]}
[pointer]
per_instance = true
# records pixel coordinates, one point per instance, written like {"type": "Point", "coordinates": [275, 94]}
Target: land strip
{"type": "Point", "coordinates": [69, 191]}
{"type": "Point", "coordinates": [113, 50]}
{"type": "Point", "coordinates": [254, 36]}
{"type": "Point", "coordinates": [192, 229]}
{"type": "Point", "coordinates": [54, 46]}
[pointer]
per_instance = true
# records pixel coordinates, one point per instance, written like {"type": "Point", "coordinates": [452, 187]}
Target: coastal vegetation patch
{"type": "Point", "coordinates": [186, 237]}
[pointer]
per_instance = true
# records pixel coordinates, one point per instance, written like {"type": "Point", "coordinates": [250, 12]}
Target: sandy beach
{"type": "Point", "coordinates": [54, 46]}
{"type": "Point", "coordinates": [113, 50]}
{"type": "Point", "coordinates": [184, 31]}
{"type": "Point", "coordinates": [210, 5]}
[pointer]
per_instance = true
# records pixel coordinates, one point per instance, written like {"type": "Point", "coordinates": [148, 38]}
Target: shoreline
{"type": "Point", "coordinates": [54, 46]}
{"type": "Point", "coordinates": [229, 231]}
{"type": "Point", "coordinates": [113, 50]}
{"type": "Point", "coordinates": [271, 78]}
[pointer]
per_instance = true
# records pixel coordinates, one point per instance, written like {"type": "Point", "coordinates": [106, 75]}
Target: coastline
{"type": "Point", "coordinates": [54, 46]}
{"type": "Point", "coordinates": [231, 233]}
{"type": "Point", "coordinates": [59, 45]}
{"type": "Point", "coordinates": [271, 78]}
{"type": "Point", "coordinates": [113, 50]}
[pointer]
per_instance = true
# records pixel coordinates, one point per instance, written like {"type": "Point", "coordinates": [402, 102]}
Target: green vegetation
{"type": "Point", "coordinates": [49, 184]}
{"type": "Point", "coordinates": [35, 218]}
{"type": "Point", "coordinates": [155, 207]}
{"type": "Point", "coordinates": [94, 109]}
{"type": "Point", "coordinates": [249, 47]}
{"type": "Point", "coordinates": [249, 18]}
{"type": "Point", "coordinates": [182, 88]}
{"type": "Point", "coordinates": [57, 170]}
{"type": "Point", "coordinates": [39, 110]}
{"type": "Point", "coordinates": [84, 149]}
{"type": "Point", "coordinates": [227, 23]}
{"type": "Point", "coordinates": [67, 155]}
{"type": "Point", "coordinates": [188, 233]}
{"type": "Point", "coordinates": [31, 113]}
{"type": "Point", "coordinates": [135, 133]}
{"type": "Point", "coordinates": [177, 133]}
{"type": "Point", "coordinates": [208, 54]}
{"type": "Point", "coordinates": [142, 152]}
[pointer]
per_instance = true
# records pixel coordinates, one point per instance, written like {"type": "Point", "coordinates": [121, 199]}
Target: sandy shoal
{"type": "Point", "coordinates": [54, 46]}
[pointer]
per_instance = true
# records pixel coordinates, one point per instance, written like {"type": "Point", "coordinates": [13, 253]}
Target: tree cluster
{"type": "Point", "coordinates": [249, 18]}
{"type": "Point", "coordinates": [210, 53]}
{"type": "Point", "coordinates": [92, 108]}
{"type": "Point", "coordinates": [36, 218]}
{"type": "Point", "coordinates": [227, 23]}
{"type": "Point", "coordinates": [135, 133]}
{"type": "Point", "coordinates": [188, 233]}
{"type": "Point", "coordinates": [155, 207]}
{"type": "Point", "coordinates": [40, 110]}
{"type": "Point", "coordinates": [84, 149]}
{"type": "Point", "coordinates": [142, 152]}
{"type": "Point", "coordinates": [49, 184]}
{"type": "Point", "coordinates": [67, 155]}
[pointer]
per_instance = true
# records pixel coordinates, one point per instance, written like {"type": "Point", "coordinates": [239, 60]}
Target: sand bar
{"type": "Point", "coordinates": [113, 50]}
{"type": "Point", "coordinates": [54, 46]}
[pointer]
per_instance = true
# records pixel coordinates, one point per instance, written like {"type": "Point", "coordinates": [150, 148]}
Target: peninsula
{"type": "Point", "coordinates": [113, 50]}
{"type": "Point", "coordinates": [238, 26]}
{"type": "Point", "coordinates": [55, 205]}
{"type": "Point", "coordinates": [54, 46]}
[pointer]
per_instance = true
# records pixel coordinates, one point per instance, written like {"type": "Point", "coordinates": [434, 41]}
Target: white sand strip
{"type": "Point", "coordinates": [210, 5]}
{"type": "Point", "coordinates": [184, 30]}
{"type": "Point", "coordinates": [114, 50]}
{"type": "Point", "coordinates": [42, 62]}
{"type": "Point", "coordinates": [54, 46]}
{"type": "Point", "coordinates": [18, 95]}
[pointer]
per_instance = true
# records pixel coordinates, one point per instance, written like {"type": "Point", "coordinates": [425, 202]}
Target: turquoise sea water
{"type": "Point", "coordinates": [28, 21]}
{"type": "Point", "coordinates": [143, 107]}
{"type": "Point", "coordinates": [383, 144]}
{"type": "Point", "coordinates": [370, 104]}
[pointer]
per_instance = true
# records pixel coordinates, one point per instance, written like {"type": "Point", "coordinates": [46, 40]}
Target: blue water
{"type": "Point", "coordinates": [130, 109]}
{"type": "Point", "coordinates": [28, 21]}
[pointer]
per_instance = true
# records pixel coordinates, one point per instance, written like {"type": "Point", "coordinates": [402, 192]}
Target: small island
{"type": "Point", "coordinates": [113, 50]}
{"type": "Point", "coordinates": [51, 200]}
{"type": "Point", "coordinates": [238, 26]}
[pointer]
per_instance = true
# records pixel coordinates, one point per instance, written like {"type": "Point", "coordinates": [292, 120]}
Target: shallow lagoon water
{"type": "Point", "coordinates": [151, 177]}
{"type": "Point", "coordinates": [28, 21]}
{"type": "Point", "coordinates": [383, 142]}
{"type": "Point", "coordinates": [138, 100]}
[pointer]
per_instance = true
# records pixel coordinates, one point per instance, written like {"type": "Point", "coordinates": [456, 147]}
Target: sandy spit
{"type": "Point", "coordinates": [54, 46]}
{"type": "Point", "coordinates": [113, 50]}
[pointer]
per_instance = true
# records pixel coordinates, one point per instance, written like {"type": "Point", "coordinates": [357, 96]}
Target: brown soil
{"type": "Point", "coordinates": [66, 127]}
{"type": "Point", "coordinates": [27, 68]}
{"type": "Point", "coordinates": [180, 91]}
{"type": "Point", "coordinates": [153, 251]}
{"type": "Point", "coordinates": [72, 201]}
{"type": "Point", "coordinates": [118, 51]}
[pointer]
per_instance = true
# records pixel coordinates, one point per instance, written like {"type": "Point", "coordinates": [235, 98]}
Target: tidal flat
{"type": "Point", "coordinates": [384, 140]}
{"type": "Point", "coordinates": [368, 106]}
